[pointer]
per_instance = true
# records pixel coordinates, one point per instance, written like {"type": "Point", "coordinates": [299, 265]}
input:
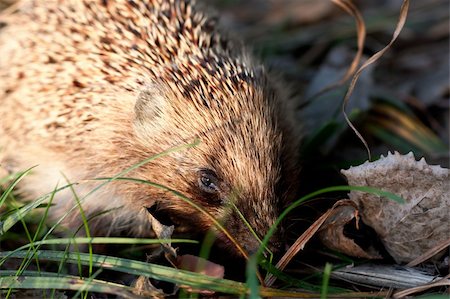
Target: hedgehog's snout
{"type": "Point", "coordinates": [251, 246]}
{"type": "Point", "coordinates": [275, 246]}
{"type": "Point", "coordinates": [277, 243]}
{"type": "Point", "coordinates": [250, 238]}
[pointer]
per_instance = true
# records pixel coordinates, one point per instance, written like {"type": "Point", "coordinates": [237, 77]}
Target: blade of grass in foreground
{"type": "Point", "coordinates": [112, 240]}
{"type": "Point", "coordinates": [196, 280]}
{"type": "Point", "coordinates": [325, 281]}
{"type": "Point", "coordinates": [47, 281]}
{"type": "Point", "coordinates": [105, 240]}
{"type": "Point", "coordinates": [12, 219]}
{"type": "Point", "coordinates": [87, 230]}
{"type": "Point", "coordinates": [13, 184]}
{"type": "Point", "coordinates": [180, 277]}
{"type": "Point", "coordinates": [97, 240]}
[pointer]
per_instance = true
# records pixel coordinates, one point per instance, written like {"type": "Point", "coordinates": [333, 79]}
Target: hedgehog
{"type": "Point", "coordinates": [91, 88]}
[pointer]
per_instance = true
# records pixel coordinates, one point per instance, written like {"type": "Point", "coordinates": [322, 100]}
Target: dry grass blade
{"type": "Point", "coordinates": [352, 10]}
{"type": "Point", "coordinates": [299, 244]}
{"type": "Point", "coordinates": [372, 59]}
{"type": "Point", "coordinates": [430, 253]}
{"type": "Point", "coordinates": [278, 293]}
{"type": "Point", "coordinates": [441, 282]}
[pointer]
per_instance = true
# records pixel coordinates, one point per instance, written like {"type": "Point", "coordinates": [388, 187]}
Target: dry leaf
{"type": "Point", "coordinates": [332, 232]}
{"type": "Point", "coordinates": [410, 229]}
{"type": "Point", "coordinates": [163, 232]}
{"type": "Point", "coordinates": [143, 286]}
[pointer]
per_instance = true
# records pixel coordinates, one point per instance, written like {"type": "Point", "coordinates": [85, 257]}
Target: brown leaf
{"type": "Point", "coordinates": [332, 232]}
{"type": "Point", "coordinates": [407, 230]}
{"type": "Point", "coordinates": [163, 232]}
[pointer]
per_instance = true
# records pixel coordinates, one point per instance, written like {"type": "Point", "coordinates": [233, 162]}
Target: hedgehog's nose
{"type": "Point", "coordinates": [276, 247]}
{"type": "Point", "coordinates": [251, 246]}
{"type": "Point", "coordinates": [277, 241]}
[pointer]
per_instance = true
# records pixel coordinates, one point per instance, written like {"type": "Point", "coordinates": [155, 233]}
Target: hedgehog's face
{"type": "Point", "coordinates": [241, 212]}
{"type": "Point", "coordinates": [238, 181]}
{"type": "Point", "coordinates": [236, 173]}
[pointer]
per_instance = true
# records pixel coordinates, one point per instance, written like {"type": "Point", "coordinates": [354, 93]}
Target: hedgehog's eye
{"type": "Point", "coordinates": [208, 181]}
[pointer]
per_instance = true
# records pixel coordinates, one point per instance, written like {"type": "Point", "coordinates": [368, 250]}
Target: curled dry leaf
{"type": "Point", "coordinates": [410, 229]}
{"type": "Point", "coordinates": [143, 286]}
{"type": "Point", "coordinates": [332, 232]}
{"type": "Point", "coordinates": [163, 232]}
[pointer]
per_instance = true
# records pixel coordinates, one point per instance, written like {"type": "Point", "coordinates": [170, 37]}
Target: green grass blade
{"type": "Point", "coordinates": [87, 282]}
{"type": "Point", "coordinates": [106, 240]}
{"type": "Point", "coordinates": [15, 217]}
{"type": "Point", "coordinates": [13, 184]}
{"type": "Point", "coordinates": [325, 281]}
{"type": "Point", "coordinates": [252, 280]}
{"type": "Point", "coordinates": [182, 277]}
{"type": "Point", "coordinates": [46, 281]}
{"type": "Point", "coordinates": [85, 226]}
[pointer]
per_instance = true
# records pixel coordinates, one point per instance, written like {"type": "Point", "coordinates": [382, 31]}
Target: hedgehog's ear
{"type": "Point", "coordinates": [150, 104]}
{"type": "Point", "coordinates": [149, 111]}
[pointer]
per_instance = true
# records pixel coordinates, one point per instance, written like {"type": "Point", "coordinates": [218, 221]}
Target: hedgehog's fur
{"type": "Point", "coordinates": [89, 88]}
